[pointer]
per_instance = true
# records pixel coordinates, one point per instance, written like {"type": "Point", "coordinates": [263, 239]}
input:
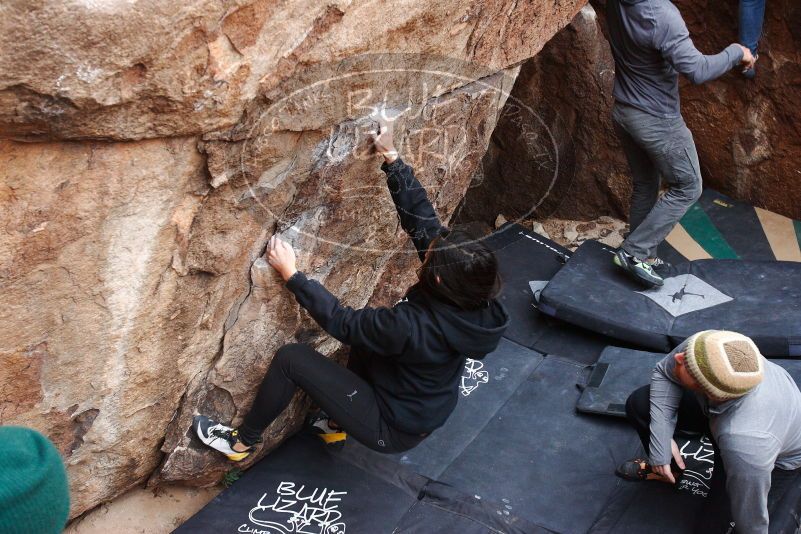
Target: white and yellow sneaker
{"type": "Point", "coordinates": [320, 424]}
{"type": "Point", "coordinates": [219, 437]}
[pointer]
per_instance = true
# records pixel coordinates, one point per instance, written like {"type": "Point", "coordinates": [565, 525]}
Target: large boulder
{"type": "Point", "coordinates": [555, 148]}
{"type": "Point", "coordinates": [134, 69]}
{"type": "Point", "coordinates": [174, 140]}
{"type": "Point", "coordinates": [748, 133]}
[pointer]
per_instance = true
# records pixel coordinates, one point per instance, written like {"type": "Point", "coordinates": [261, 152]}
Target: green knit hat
{"type": "Point", "coordinates": [34, 497]}
{"type": "Point", "coordinates": [725, 364]}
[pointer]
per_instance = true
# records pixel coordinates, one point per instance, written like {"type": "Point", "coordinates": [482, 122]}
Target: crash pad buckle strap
{"type": "Point", "coordinates": [598, 374]}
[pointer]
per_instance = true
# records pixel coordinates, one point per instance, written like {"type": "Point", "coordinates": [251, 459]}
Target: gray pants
{"type": "Point", "coordinates": [656, 147]}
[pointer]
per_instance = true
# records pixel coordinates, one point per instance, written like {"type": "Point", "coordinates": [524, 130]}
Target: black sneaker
{"type": "Point", "coordinates": [660, 266]}
{"type": "Point", "coordinates": [320, 424]}
{"type": "Point", "coordinates": [637, 269]}
{"type": "Point", "coordinates": [219, 437]}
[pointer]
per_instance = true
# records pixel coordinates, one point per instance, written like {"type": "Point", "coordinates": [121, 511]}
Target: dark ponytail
{"type": "Point", "coordinates": [467, 271]}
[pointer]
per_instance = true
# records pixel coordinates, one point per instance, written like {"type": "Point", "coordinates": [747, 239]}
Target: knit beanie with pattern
{"type": "Point", "coordinates": [725, 364]}
{"type": "Point", "coordinates": [33, 483]}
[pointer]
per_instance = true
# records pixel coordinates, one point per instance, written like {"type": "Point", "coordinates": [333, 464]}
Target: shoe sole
{"type": "Point", "coordinates": [635, 274]}
{"type": "Point", "coordinates": [236, 457]}
{"type": "Point", "coordinates": [650, 282]}
{"type": "Point", "coordinates": [333, 437]}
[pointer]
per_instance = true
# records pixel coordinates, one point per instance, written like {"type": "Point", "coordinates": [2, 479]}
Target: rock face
{"type": "Point", "coordinates": [116, 69]}
{"type": "Point", "coordinates": [556, 150]}
{"type": "Point", "coordinates": [173, 141]}
{"type": "Point", "coordinates": [748, 133]}
{"type": "Point", "coordinates": [554, 146]}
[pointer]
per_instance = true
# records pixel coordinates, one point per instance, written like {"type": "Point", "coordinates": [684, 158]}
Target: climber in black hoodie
{"type": "Point", "coordinates": [406, 361]}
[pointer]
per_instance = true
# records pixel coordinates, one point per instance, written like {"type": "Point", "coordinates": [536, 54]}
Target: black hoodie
{"type": "Point", "coordinates": [416, 350]}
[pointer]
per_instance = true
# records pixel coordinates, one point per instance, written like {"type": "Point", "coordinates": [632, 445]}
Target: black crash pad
{"type": "Point", "coordinates": [526, 258]}
{"type": "Point", "coordinates": [486, 386]}
{"type": "Point", "coordinates": [614, 377]}
{"type": "Point", "coordinates": [759, 299]}
{"type": "Point", "coordinates": [303, 488]}
{"type": "Point", "coordinates": [300, 487]}
{"type": "Point", "coordinates": [620, 371]}
{"type": "Point", "coordinates": [542, 460]}
{"type": "Point", "coordinates": [442, 508]}
{"type": "Point", "coordinates": [522, 256]}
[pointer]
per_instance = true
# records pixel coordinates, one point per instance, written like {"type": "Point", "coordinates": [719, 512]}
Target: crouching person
{"type": "Point", "coordinates": [406, 361]}
{"type": "Point", "coordinates": [717, 383]}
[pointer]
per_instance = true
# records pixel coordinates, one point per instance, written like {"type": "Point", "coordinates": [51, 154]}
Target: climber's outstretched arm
{"type": "Point", "coordinates": [416, 214]}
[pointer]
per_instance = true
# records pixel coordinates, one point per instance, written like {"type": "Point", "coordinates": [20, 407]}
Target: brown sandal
{"type": "Point", "coordinates": [635, 470]}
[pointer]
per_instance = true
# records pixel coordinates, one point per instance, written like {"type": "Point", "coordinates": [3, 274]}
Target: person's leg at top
{"type": "Point", "coordinates": [752, 16]}
{"type": "Point", "coordinates": [655, 147]}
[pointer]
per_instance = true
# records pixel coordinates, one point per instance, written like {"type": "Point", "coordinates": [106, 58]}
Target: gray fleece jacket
{"type": "Point", "coordinates": [754, 434]}
{"type": "Point", "coordinates": [651, 46]}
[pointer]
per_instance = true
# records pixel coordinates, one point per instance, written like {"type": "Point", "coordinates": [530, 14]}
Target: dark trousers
{"type": "Point", "coordinates": [657, 149]}
{"type": "Point", "coordinates": [691, 420]}
{"type": "Point", "coordinates": [716, 515]}
{"type": "Point", "coordinates": [341, 393]}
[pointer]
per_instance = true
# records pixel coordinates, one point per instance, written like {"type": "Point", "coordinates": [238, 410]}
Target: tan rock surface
{"type": "Point", "coordinates": [129, 69]}
{"type": "Point", "coordinates": [132, 294]}
{"type": "Point", "coordinates": [342, 220]}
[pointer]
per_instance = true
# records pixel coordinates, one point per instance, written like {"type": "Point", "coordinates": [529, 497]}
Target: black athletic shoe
{"type": "Point", "coordinates": [219, 437]}
{"type": "Point", "coordinates": [637, 269]}
{"type": "Point", "coordinates": [320, 424]}
{"type": "Point", "coordinates": [660, 266]}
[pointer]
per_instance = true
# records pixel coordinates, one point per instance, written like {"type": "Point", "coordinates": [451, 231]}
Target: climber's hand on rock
{"type": "Point", "coordinates": [748, 58]}
{"type": "Point", "coordinates": [383, 139]}
{"type": "Point", "coordinates": [282, 257]}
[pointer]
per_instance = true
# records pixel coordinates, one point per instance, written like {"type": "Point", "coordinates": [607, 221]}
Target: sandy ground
{"type": "Point", "coordinates": [570, 234]}
{"type": "Point", "coordinates": [144, 511]}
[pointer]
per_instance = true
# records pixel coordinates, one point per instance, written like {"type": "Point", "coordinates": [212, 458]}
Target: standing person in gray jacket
{"type": "Point", "coordinates": [651, 46]}
{"type": "Point", "coordinates": [717, 383]}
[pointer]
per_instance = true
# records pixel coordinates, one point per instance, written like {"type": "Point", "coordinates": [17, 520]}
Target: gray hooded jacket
{"type": "Point", "coordinates": [651, 46]}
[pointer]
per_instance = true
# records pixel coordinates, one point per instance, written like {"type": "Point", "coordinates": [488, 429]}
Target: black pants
{"type": "Point", "coordinates": [342, 393]}
{"type": "Point", "coordinates": [691, 419]}
{"type": "Point", "coordinates": [716, 516]}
